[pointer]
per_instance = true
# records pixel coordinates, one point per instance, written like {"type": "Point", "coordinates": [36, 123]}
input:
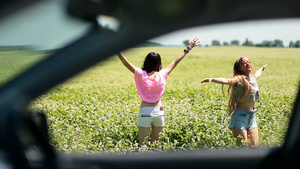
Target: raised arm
{"type": "Point", "coordinates": [217, 80]}
{"type": "Point", "coordinates": [126, 63]}
{"type": "Point", "coordinates": [259, 71]}
{"type": "Point", "coordinates": [192, 44]}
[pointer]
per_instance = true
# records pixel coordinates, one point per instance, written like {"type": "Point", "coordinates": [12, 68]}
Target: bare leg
{"type": "Point", "coordinates": [240, 135]}
{"type": "Point", "coordinates": [254, 137]}
{"type": "Point", "coordinates": [143, 135]}
{"type": "Point", "coordinates": [155, 135]}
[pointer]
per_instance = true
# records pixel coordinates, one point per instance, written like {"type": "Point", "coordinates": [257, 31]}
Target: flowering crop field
{"type": "Point", "coordinates": [96, 111]}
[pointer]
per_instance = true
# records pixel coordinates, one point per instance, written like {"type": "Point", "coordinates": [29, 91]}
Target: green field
{"type": "Point", "coordinates": [96, 111]}
{"type": "Point", "coordinates": [13, 62]}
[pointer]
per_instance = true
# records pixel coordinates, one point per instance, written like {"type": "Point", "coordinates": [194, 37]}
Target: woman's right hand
{"type": "Point", "coordinates": [125, 62]}
{"type": "Point", "coordinates": [220, 80]}
{"type": "Point", "coordinates": [206, 80]}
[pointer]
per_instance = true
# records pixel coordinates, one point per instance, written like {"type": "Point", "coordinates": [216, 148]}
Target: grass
{"type": "Point", "coordinates": [14, 62]}
{"type": "Point", "coordinates": [96, 111]}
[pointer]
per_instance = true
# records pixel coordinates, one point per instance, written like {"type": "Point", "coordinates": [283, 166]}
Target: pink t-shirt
{"type": "Point", "coordinates": [150, 89]}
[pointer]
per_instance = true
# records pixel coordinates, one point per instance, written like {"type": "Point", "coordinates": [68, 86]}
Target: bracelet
{"type": "Point", "coordinates": [187, 50]}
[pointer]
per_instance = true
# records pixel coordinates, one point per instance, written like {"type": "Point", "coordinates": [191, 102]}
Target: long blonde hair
{"type": "Point", "coordinates": [238, 75]}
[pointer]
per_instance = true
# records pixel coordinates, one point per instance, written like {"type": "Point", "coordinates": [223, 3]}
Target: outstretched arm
{"type": "Point", "coordinates": [126, 63]}
{"type": "Point", "coordinates": [192, 44]}
{"type": "Point", "coordinates": [217, 80]}
{"type": "Point", "coordinates": [259, 71]}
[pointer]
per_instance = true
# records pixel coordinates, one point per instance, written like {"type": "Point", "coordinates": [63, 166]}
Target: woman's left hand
{"type": "Point", "coordinates": [194, 42]}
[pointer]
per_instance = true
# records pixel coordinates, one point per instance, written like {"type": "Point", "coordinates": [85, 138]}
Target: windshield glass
{"type": "Point", "coordinates": [97, 111]}
{"type": "Point", "coordinates": [102, 116]}
{"type": "Point", "coordinates": [33, 33]}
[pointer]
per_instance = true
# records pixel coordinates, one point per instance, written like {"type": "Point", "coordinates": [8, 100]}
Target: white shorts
{"type": "Point", "coordinates": [149, 116]}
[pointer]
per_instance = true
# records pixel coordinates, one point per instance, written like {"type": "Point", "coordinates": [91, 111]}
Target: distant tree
{"type": "Point", "coordinates": [259, 45]}
{"type": "Point", "coordinates": [215, 43]}
{"type": "Point", "coordinates": [225, 43]}
{"type": "Point", "coordinates": [247, 43]}
{"type": "Point", "coordinates": [267, 43]}
{"type": "Point", "coordinates": [292, 44]}
{"type": "Point", "coordinates": [235, 43]}
{"type": "Point", "coordinates": [250, 43]}
{"type": "Point", "coordinates": [297, 44]}
{"type": "Point", "coordinates": [186, 42]}
{"type": "Point", "coordinates": [278, 43]}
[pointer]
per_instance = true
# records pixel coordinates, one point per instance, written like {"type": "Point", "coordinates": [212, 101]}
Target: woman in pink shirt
{"type": "Point", "coordinates": [150, 81]}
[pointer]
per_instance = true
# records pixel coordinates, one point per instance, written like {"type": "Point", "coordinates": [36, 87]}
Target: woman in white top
{"type": "Point", "coordinates": [150, 81]}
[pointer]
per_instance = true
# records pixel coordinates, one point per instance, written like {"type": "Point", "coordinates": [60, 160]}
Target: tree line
{"type": "Point", "coordinates": [276, 43]}
{"type": "Point", "coordinates": [106, 30]}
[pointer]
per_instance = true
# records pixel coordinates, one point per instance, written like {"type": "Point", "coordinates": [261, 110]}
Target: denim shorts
{"type": "Point", "coordinates": [243, 119]}
{"type": "Point", "coordinates": [149, 116]}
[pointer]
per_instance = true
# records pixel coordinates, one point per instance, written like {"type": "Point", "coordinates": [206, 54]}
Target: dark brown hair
{"type": "Point", "coordinates": [152, 62]}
